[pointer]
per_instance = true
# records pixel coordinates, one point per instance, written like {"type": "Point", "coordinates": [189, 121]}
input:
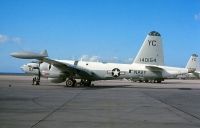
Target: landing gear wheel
{"type": "Point", "coordinates": [82, 82]}
{"type": "Point", "coordinates": [140, 81]}
{"type": "Point", "coordinates": [74, 83]}
{"type": "Point", "coordinates": [34, 80]}
{"type": "Point", "coordinates": [70, 82]}
{"type": "Point", "coordinates": [158, 81]}
{"type": "Point", "coordinates": [37, 83]}
{"type": "Point", "coordinates": [86, 83]}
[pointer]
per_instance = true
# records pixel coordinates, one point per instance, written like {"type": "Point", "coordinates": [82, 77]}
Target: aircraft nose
{"type": "Point", "coordinates": [14, 54]}
{"type": "Point", "coordinates": [22, 67]}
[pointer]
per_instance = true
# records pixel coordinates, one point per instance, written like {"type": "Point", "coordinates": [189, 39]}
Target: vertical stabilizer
{"type": "Point", "coordinates": [151, 51]}
{"type": "Point", "coordinates": [193, 62]}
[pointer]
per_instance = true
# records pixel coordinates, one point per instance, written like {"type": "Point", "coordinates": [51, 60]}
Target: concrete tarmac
{"type": "Point", "coordinates": [109, 104]}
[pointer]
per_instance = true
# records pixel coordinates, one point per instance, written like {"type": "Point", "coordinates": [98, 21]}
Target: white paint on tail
{"type": "Point", "coordinates": [151, 51]}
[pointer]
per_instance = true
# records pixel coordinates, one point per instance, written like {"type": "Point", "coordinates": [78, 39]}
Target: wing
{"type": "Point", "coordinates": [71, 69]}
{"type": "Point", "coordinates": [64, 67]}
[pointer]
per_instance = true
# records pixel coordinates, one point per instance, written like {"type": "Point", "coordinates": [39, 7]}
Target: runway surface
{"type": "Point", "coordinates": [109, 104]}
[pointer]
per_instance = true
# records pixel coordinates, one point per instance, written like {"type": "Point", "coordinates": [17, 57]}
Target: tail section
{"type": "Point", "coordinates": [151, 51]}
{"type": "Point", "coordinates": [193, 62]}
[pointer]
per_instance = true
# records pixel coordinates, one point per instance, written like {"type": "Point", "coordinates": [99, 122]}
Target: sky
{"type": "Point", "coordinates": [110, 30]}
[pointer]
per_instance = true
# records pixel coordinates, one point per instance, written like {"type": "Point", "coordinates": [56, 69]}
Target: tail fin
{"type": "Point", "coordinates": [44, 53]}
{"type": "Point", "coordinates": [151, 51]}
{"type": "Point", "coordinates": [193, 62]}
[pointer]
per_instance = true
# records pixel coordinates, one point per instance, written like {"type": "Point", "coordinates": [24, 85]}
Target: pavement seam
{"type": "Point", "coordinates": [56, 109]}
{"type": "Point", "coordinates": [176, 108]}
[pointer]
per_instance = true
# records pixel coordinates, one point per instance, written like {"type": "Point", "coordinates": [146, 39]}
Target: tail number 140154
{"type": "Point", "coordinates": [147, 59]}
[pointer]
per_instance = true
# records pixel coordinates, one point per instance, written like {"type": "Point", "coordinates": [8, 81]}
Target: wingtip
{"type": "Point", "coordinates": [44, 53]}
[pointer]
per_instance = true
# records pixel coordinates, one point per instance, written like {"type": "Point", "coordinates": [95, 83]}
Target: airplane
{"type": "Point", "coordinates": [149, 63]}
{"type": "Point", "coordinates": [193, 63]}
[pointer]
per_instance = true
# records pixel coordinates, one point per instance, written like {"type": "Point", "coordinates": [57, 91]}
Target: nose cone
{"type": "Point", "coordinates": [22, 67]}
{"type": "Point", "coordinates": [21, 55]}
{"type": "Point", "coordinates": [14, 54]}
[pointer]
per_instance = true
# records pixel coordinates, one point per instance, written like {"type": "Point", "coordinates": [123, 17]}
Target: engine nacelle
{"type": "Point", "coordinates": [54, 74]}
{"type": "Point", "coordinates": [44, 66]}
{"type": "Point", "coordinates": [57, 80]}
{"type": "Point", "coordinates": [50, 71]}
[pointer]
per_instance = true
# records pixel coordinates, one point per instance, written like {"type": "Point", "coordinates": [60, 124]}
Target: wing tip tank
{"type": "Point", "coordinates": [28, 55]}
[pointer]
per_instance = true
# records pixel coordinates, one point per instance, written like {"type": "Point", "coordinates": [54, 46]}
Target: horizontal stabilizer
{"type": "Point", "coordinates": [154, 68]}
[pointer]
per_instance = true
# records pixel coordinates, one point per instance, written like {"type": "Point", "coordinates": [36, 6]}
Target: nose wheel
{"type": "Point", "coordinates": [36, 80]}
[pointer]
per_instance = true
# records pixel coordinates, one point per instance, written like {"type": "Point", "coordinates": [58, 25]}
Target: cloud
{"type": "Point", "coordinates": [16, 39]}
{"type": "Point", "coordinates": [84, 57]}
{"type": "Point", "coordinates": [90, 58]}
{"type": "Point", "coordinates": [108, 60]}
{"type": "Point", "coordinates": [3, 38]}
{"type": "Point", "coordinates": [6, 38]}
{"type": "Point", "coordinates": [197, 17]}
{"type": "Point", "coordinates": [94, 59]}
{"type": "Point", "coordinates": [129, 60]}
{"type": "Point", "coordinates": [113, 60]}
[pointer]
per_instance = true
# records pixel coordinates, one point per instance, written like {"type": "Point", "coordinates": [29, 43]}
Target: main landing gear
{"type": "Point", "coordinates": [151, 81]}
{"type": "Point", "coordinates": [86, 83]}
{"type": "Point", "coordinates": [71, 82]}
